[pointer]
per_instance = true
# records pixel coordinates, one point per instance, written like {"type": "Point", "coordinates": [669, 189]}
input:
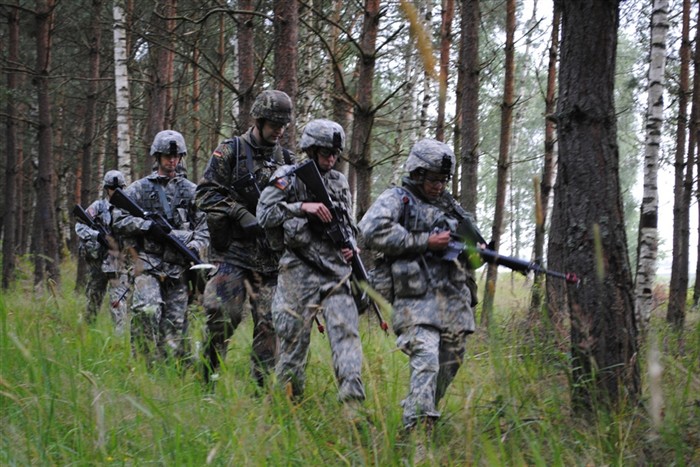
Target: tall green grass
{"type": "Point", "coordinates": [72, 394]}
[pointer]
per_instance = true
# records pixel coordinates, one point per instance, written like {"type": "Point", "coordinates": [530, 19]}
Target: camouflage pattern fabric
{"type": "Point", "coordinates": [247, 267]}
{"type": "Point", "coordinates": [159, 302]}
{"type": "Point", "coordinates": [224, 302]}
{"type": "Point", "coordinates": [313, 280]}
{"type": "Point", "coordinates": [432, 312]}
{"type": "Point", "coordinates": [106, 270]}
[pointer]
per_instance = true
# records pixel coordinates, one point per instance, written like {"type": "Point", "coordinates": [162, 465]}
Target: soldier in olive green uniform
{"type": "Point", "coordinates": [314, 272]}
{"type": "Point", "coordinates": [246, 265]}
{"type": "Point", "coordinates": [410, 227]}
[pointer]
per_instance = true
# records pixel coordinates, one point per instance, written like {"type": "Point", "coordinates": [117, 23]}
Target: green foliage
{"type": "Point", "coordinates": [73, 394]}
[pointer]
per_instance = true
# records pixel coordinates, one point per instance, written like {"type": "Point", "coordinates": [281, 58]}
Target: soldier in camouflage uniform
{"type": "Point", "coordinates": [314, 273]}
{"type": "Point", "coordinates": [106, 272]}
{"type": "Point", "coordinates": [246, 265]}
{"type": "Point", "coordinates": [410, 227]}
{"type": "Point", "coordinates": [159, 301]}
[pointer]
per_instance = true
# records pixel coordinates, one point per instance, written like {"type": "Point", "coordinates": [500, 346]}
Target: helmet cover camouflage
{"type": "Point", "coordinates": [114, 179]}
{"type": "Point", "coordinates": [169, 142]}
{"type": "Point", "coordinates": [324, 134]}
{"type": "Point", "coordinates": [431, 155]}
{"type": "Point", "coordinates": [273, 105]}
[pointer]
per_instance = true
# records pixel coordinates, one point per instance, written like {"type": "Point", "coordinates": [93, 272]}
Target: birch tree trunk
{"type": "Point", "coordinates": [679, 266]}
{"type": "Point", "coordinates": [648, 220]}
{"type": "Point", "coordinates": [121, 86]}
{"type": "Point", "coordinates": [548, 165]}
{"type": "Point", "coordinates": [503, 160]}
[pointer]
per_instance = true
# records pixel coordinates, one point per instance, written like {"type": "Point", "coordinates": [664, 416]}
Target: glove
{"type": "Point", "coordinates": [247, 221]}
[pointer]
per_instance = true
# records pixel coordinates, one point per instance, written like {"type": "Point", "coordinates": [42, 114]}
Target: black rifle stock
{"type": "Point", "coordinates": [337, 230]}
{"type": "Point", "coordinates": [93, 223]}
{"type": "Point", "coordinates": [120, 200]}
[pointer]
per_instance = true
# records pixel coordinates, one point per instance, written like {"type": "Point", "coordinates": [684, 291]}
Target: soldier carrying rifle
{"type": "Point", "coordinates": [106, 271]}
{"type": "Point", "coordinates": [157, 217]}
{"type": "Point", "coordinates": [314, 277]}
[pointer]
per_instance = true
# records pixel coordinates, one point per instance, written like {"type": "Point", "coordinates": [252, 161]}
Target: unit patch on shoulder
{"type": "Point", "coordinates": [281, 183]}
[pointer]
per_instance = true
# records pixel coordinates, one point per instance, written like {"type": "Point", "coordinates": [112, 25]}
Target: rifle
{"type": "Point", "coordinates": [162, 232]}
{"type": "Point", "coordinates": [337, 229]}
{"type": "Point", "coordinates": [455, 247]}
{"type": "Point", "coordinates": [94, 224]}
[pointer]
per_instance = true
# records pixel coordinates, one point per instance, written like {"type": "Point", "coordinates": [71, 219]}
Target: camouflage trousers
{"type": "Point", "coordinates": [224, 301]}
{"type": "Point", "coordinates": [116, 286]}
{"type": "Point", "coordinates": [301, 294]}
{"type": "Point", "coordinates": [434, 359]}
{"type": "Point", "coordinates": [159, 317]}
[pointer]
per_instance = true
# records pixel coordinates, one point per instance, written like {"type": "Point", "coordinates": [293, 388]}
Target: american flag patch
{"type": "Point", "coordinates": [281, 183]}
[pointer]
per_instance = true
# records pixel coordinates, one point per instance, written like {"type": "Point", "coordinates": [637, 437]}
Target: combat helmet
{"type": "Point", "coordinates": [323, 134]}
{"type": "Point", "coordinates": [272, 105]}
{"type": "Point", "coordinates": [431, 155]}
{"type": "Point", "coordinates": [114, 179]}
{"type": "Point", "coordinates": [169, 142]}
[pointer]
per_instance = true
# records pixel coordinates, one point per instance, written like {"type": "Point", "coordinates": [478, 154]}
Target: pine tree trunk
{"type": "Point", "coordinates": [286, 52]}
{"type": "Point", "coordinates": [9, 256]}
{"type": "Point", "coordinates": [46, 260]}
{"type": "Point", "coordinates": [675, 313]}
{"type": "Point", "coordinates": [448, 9]}
{"type": "Point", "coordinates": [246, 67]}
{"type": "Point", "coordinates": [503, 159]}
{"type": "Point", "coordinates": [605, 369]}
{"type": "Point", "coordinates": [360, 147]}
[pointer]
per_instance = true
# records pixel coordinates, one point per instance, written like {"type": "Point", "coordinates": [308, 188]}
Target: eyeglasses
{"type": "Point", "coordinates": [327, 152]}
{"type": "Point", "coordinates": [437, 180]}
{"type": "Point", "coordinates": [277, 126]}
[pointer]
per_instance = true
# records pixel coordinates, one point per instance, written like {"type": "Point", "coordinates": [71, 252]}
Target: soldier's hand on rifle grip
{"type": "Point", "coordinates": [438, 241]}
{"type": "Point", "coordinates": [319, 210]}
{"type": "Point", "coordinates": [347, 253]}
{"type": "Point", "coordinates": [156, 231]}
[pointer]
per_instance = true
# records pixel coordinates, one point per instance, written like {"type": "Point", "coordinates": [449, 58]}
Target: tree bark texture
{"type": "Point", "coordinates": [46, 258]}
{"type": "Point", "coordinates": [286, 53]}
{"type": "Point", "coordinates": [503, 159]}
{"type": "Point", "coordinates": [9, 256]}
{"type": "Point", "coordinates": [121, 85]}
{"type": "Point", "coordinates": [360, 147]}
{"type": "Point", "coordinates": [246, 65]}
{"type": "Point", "coordinates": [588, 200]}
{"type": "Point", "coordinates": [678, 286]}
{"type": "Point", "coordinates": [647, 248]}
{"type": "Point", "coordinates": [469, 116]}
{"type": "Point", "coordinates": [548, 165]}
{"type": "Point", "coordinates": [447, 15]}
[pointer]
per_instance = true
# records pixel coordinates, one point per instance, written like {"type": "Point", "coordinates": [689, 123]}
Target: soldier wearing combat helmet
{"type": "Point", "coordinates": [160, 296]}
{"type": "Point", "coordinates": [409, 227]}
{"type": "Point", "coordinates": [314, 272]}
{"type": "Point", "coordinates": [246, 265]}
{"type": "Point", "coordinates": [106, 272]}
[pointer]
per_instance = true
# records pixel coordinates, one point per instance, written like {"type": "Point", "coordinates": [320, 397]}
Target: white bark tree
{"type": "Point", "coordinates": [648, 231]}
{"type": "Point", "coordinates": [121, 84]}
